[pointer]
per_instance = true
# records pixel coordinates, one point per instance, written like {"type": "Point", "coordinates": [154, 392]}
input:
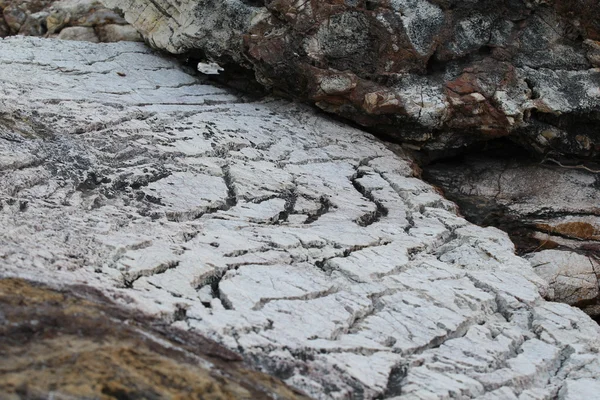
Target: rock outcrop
{"type": "Point", "coordinates": [86, 20]}
{"type": "Point", "coordinates": [72, 342]}
{"type": "Point", "coordinates": [439, 74]}
{"type": "Point", "coordinates": [546, 204]}
{"type": "Point", "coordinates": [307, 246]}
{"type": "Point", "coordinates": [543, 204]}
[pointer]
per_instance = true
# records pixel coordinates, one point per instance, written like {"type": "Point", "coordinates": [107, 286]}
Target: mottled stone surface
{"type": "Point", "coordinates": [307, 246]}
{"type": "Point", "coordinates": [439, 74]}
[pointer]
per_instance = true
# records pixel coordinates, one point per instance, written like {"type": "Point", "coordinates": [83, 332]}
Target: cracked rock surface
{"type": "Point", "coordinates": [549, 205]}
{"type": "Point", "coordinates": [307, 246]}
{"type": "Point", "coordinates": [440, 74]}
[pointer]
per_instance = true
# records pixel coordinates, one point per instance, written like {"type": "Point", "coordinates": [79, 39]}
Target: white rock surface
{"type": "Point", "coordinates": [573, 277]}
{"type": "Point", "coordinates": [306, 245]}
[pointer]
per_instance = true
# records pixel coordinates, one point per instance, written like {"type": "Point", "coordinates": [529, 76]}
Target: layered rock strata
{"type": "Point", "coordinates": [307, 246]}
{"type": "Point", "coordinates": [86, 20]}
{"type": "Point", "coordinates": [439, 74]}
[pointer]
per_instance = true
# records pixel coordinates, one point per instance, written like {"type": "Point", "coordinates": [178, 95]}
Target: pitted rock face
{"type": "Point", "coordinates": [440, 74]}
{"type": "Point", "coordinates": [305, 245]}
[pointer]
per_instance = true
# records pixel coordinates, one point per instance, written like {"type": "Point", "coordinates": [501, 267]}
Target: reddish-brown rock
{"type": "Point", "coordinates": [439, 74]}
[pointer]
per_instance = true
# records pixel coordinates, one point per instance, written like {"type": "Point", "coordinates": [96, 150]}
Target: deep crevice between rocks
{"type": "Point", "coordinates": [461, 175]}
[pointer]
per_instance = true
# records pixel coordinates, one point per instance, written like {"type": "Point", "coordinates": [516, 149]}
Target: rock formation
{"type": "Point", "coordinates": [573, 277]}
{"type": "Point", "coordinates": [545, 204]}
{"type": "Point", "coordinates": [308, 247]}
{"type": "Point", "coordinates": [86, 20]}
{"type": "Point", "coordinates": [439, 74]}
{"type": "Point", "coordinates": [73, 343]}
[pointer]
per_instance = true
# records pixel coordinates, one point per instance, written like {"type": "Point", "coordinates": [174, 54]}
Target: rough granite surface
{"type": "Point", "coordinates": [307, 246]}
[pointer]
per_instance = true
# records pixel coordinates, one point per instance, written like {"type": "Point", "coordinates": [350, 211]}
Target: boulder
{"type": "Point", "coordinates": [116, 33]}
{"type": "Point", "coordinates": [81, 33]}
{"type": "Point", "coordinates": [572, 277]}
{"type": "Point", "coordinates": [308, 247]}
{"type": "Point", "coordinates": [438, 74]}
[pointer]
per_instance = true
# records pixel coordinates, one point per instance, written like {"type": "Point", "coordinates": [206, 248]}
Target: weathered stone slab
{"type": "Point", "coordinates": [306, 245]}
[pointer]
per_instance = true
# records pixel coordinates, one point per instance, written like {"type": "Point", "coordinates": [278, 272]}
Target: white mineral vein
{"type": "Point", "coordinates": [304, 244]}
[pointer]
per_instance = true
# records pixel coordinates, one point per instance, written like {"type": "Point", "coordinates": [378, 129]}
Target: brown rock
{"type": "Point", "coordinates": [593, 52]}
{"type": "Point", "coordinates": [15, 17]}
{"type": "Point", "coordinates": [408, 64]}
{"type": "Point", "coordinates": [73, 342]}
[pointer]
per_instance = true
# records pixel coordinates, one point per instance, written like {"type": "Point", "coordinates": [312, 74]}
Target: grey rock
{"type": "Point", "coordinates": [572, 277]}
{"type": "Point", "coordinates": [549, 206]}
{"type": "Point", "coordinates": [543, 204]}
{"type": "Point", "coordinates": [117, 33]}
{"type": "Point", "coordinates": [81, 33]}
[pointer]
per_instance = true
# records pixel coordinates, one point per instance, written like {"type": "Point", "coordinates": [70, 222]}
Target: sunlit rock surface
{"type": "Point", "coordinates": [307, 246]}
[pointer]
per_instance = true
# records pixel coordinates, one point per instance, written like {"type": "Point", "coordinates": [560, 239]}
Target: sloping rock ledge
{"type": "Point", "coordinates": [306, 246]}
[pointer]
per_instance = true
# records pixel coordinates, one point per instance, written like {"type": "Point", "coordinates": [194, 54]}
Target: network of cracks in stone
{"type": "Point", "coordinates": [306, 245]}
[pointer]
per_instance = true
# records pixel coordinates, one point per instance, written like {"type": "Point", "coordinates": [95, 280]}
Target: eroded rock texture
{"type": "Point", "coordinates": [545, 204]}
{"type": "Point", "coordinates": [437, 73]}
{"type": "Point", "coordinates": [305, 245]}
{"type": "Point", "coordinates": [86, 20]}
{"type": "Point", "coordinates": [72, 342]}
